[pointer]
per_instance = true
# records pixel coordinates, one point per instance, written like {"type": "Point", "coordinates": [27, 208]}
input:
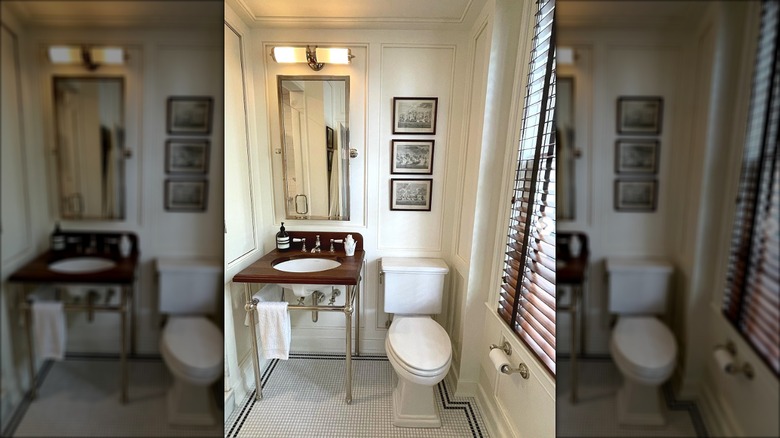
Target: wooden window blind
{"type": "Point", "coordinates": [752, 297]}
{"type": "Point", "coordinates": [527, 296]}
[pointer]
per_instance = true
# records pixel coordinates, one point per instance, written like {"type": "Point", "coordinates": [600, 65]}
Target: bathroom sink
{"type": "Point", "coordinates": [304, 290]}
{"type": "Point", "coordinates": [82, 265]}
{"type": "Point", "coordinates": [309, 264]}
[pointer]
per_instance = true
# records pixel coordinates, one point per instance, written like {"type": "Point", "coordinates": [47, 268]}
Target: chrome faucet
{"type": "Point", "coordinates": [316, 245]}
{"type": "Point", "coordinates": [332, 241]}
{"type": "Point", "coordinates": [300, 239]}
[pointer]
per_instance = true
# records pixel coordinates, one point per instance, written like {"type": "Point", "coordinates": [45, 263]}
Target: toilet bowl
{"type": "Point", "coordinates": [644, 349]}
{"type": "Point", "coordinates": [191, 348]}
{"type": "Point", "coordinates": [420, 352]}
{"type": "Point", "coordinates": [190, 344]}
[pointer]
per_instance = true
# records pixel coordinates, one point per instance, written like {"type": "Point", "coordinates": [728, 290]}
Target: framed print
{"type": "Point", "coordinates": [189, 115]}
{"type": "Point", "coordinates": [639, 115]}
{"type": "Point", "coordinates": [414, 115]}
{"type": "Point", "coordinates": [410, 194]}
{"type": "Point", "coordinates": [186, 195]}
{"type": "Point", "coordinates": [187, 156]}
{"type": "Point", "coordinates": [412, 157]}
{"type": "Point", "coordinates": [636, 156]}
{"type": "Point", "coordinates": [636, 195]}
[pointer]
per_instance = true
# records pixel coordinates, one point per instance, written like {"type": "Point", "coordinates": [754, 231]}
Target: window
{"type": "Point", "coordinates": [752, 295]}
{"type": "Point", "coordinates": [527, 296]}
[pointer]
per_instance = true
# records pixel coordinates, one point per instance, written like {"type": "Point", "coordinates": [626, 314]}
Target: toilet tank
{"type": "Point", "coordinates": [413, 285]}
{"type": "Point", "coordinates": [189, 286]}
{"type": "Point", "coordinates": [638, 286]}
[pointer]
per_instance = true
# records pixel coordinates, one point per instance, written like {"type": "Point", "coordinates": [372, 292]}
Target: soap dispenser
{"type": "Point", "coordinates": [57, 239]}
{"type": "Point", "coordinates": [282, 239]}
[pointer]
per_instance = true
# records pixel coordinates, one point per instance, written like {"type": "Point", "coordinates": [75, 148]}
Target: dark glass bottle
{"type": "Point", "coordinates": [282, 239]}
{"type": "Point", "coordinates": [57, 242]}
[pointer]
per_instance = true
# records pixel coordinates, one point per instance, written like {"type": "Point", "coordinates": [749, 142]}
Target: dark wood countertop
{"type": "Point", "coordinates": [262, 271]}
{"type": "Point", "coordinates": [37, 270]}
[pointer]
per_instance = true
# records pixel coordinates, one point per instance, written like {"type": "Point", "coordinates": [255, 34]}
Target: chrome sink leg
{"type": "Point", "coordinates": [348, 365]}
{"type": "Point", "coordinates": [28, 323]}
{"type": "Point", "coordinates": [250, 308]}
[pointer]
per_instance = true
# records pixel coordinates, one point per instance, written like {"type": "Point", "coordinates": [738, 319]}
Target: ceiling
{"type": "Point", "coordinates": [113, 13]}
{"type": "Point", "coordinates": [370, 14]}
{"type": "Point", "coordinates": [367, 14]}
{"type": "Point", "coordinates": [654, 13]}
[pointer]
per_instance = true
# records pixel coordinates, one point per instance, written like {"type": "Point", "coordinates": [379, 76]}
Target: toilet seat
{"type": "Point", "coordinates": [192, 346]}
{"type": "Point", "coordinates": [643, 348]}
{"type": "Point", "coordinates": [420, 345]}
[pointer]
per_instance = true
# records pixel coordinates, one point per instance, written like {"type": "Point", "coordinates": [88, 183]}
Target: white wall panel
{"type": "Point", "coordinates": [414, 71]}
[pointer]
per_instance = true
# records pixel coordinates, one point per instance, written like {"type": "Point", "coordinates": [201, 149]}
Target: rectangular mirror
{"type": "Point", "coordinates": [314, 117]}
{"type": "Point", "coordinates": [89, 127]}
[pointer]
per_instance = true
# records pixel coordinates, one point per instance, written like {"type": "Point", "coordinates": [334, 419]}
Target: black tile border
{"type": "Point", "coordinates": [686, 405]}
{"type": "Point", "coordinates": [465, 406]}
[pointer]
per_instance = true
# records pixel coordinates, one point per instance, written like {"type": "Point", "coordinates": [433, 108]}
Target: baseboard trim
{"type": "Point", "coordinates": [717, 420]}
{"type": "Point", "coordinates": [491, 414]}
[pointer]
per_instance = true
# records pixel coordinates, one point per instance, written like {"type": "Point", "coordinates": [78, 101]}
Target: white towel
{"type": "Point", "coordinates": [273, 329]}
{"type": "Point", "coordinates": [49, 329]}
{"type": "Point", "coordinates": [269, 292]}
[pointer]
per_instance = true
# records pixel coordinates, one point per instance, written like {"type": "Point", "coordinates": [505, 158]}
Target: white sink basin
{"type": "Point", "coordinates": [307, 265]}
{"type": "Point", "coordinates": [82, 265]}
{"type": "Point", "coordinates": [304, 290]}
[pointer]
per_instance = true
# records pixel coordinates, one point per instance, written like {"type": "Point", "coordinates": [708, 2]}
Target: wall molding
{"type": "Point", "coordinates": [717, 419]}
{"type": "Point", "coordinates": [494, 418]}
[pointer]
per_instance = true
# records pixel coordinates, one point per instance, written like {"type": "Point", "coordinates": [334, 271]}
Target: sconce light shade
{"type": "Point", "coordinates": [107, 55]}
{"type": "Point", "coordinates": [333, 55]}
{"type": "Point", "coordinates": [65, 54]}
{"type": "Point", "coordinates": [316, 57]}
{"type": "Point", "coordinates": [285, 55]}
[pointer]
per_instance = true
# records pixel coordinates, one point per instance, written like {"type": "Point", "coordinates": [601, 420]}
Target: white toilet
{"type": "Point", "coordinates": [191, 345]}
{"type": "Point", "coordinates": [417, 347]}
{"type": "Point", "coordinates": [642, 347]}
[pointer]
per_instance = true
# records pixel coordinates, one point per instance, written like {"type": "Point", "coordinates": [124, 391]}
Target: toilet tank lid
{"type": "Point", "coordinates": [189, 265]}
{"type": "Point", "coordinates": [632, 265]}
{"type": "Point", "coordinates": [413, 264]}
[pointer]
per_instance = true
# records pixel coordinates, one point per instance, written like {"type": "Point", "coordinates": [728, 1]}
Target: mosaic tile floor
{"type": "Point", "coordinates": [80, 397]}
{"type": "Point", "coordinates": [304, 397]}
{"type": "Point", "coordinates": [595, 413]}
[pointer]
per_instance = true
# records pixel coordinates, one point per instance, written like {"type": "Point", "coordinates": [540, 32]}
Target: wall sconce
{"type": "Point", "coordinates": [316, 57]}
{"type": "Point", "coordinates": [91, 57]}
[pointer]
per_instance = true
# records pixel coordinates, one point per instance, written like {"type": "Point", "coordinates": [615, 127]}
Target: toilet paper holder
{"type": "Point", "coordinates": [745, 368]}
{"type": "Point", "coordinates": [506, 369]}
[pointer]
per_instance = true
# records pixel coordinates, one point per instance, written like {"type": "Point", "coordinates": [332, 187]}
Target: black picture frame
{"type": "Point", "coordinates": [410, 194]}
{"type": "Point", "coordinates": [186, 195]}
{"type": "Point", "coordinates": [636, 195]}
{"type": "Point", "coordinates": [187, 157]}
{"type": "Point", "coordinates": [639, 115]}
{"type": "Point", "coordinates": [411, 157]}
{"type": "Point", "coordinates": [637, 156]}
{"type": "Point", "coordinates": [189, 115]}
{"type": "Point", "coordinates": [415, 115]}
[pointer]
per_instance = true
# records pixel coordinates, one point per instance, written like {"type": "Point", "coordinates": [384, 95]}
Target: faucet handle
{"type": "Point", "coordinates": [332, 241]}
{"type": "Point", "coordinates": [301, 239]}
